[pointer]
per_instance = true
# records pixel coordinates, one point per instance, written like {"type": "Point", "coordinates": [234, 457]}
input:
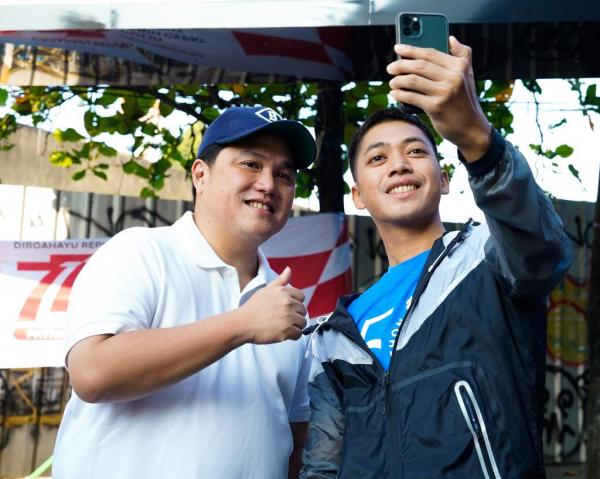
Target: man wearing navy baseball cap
{"type": "Point", "coordinates": [183, 347]}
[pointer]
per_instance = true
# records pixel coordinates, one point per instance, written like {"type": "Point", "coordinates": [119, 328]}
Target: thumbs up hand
{"type": "Point", "coordinates": [276, 312]}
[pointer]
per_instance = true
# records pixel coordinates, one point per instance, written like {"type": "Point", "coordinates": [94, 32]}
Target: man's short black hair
{"type": "Point", "coordinates": [209, 155]}
{"type": "Point", "coordinates": [389, 114]}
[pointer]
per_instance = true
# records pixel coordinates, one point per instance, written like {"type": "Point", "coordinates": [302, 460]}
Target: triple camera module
{"type": "Point", "coordinates": [411, 26]}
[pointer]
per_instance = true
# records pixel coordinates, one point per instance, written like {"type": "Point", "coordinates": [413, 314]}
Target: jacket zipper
{"type": "Point", "coordinates": [472, 415]}
{"type": "Point", "coordinates": [392, 416]}
{"type": "Point", "coordinates": [447, 251]}
{"type": "Point", "coordinates": [386, 390]}
{"type": "Point", "coordinates": [385, 384]}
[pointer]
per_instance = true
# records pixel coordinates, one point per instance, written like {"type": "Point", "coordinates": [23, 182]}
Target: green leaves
{"type": "Point", "coordinates": [574, 172]}
{"type": "Point", "coordinates": [139, 113]}
{"type": "Point", "coordinates": [90, 121]}
{"type": "Point", "coordinates": [305, 183]}
{"type": "Point", "coordinates": [499, 91]}
{"type": "Point", "coordinates": [147, 193]}
{"type": "Point", "coordinates": [108, 98]}
{"type": "Point", "coordinates": [100, 174]}
{"type": "Point", "coordinates": [67, 135]}
{"type": "Point", "coordinates": [63, 159]}
{"type": "Point", "coordinates": [79, 175]}
{"type": "Point", "coordinates": [8, 125]}
{"type": "Point", "coordinates": [563, 151]}
{"type": "Point", "coordinates": [165, 108]}
{"type": "Point", "coordinates": [90, 151]}
{"type": "Point", "coordinates": [449, 169]}
{"type": "Point", "coordinates": [556, 125]}
{"type": "Point", "coordinates": [132, 167]}
{"type": "Point", "coordinates": [3, 96]}
{"type": "Point", "coordinates": [591, 98]}
{"type": "Point", "coordinates": [533, 86]}
{"type": "Point", "coordinates": [106, 150]}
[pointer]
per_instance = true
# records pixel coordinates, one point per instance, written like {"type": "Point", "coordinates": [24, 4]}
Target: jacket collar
{"type": "Point", "coordinates": [341, 318]}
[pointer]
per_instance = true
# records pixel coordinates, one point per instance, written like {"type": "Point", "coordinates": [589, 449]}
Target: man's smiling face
{"type": "Point", "coordinates": [398, 178]}
{"type": "Point", "coordinates": [248, 191]}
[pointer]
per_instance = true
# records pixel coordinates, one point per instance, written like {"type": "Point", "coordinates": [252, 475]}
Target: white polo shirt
{"type": "Point", "coordinates": [230, 420]}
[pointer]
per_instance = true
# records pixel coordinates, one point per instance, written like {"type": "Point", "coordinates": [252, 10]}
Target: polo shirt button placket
{"type": "Point", "coordinates": [233, 285]}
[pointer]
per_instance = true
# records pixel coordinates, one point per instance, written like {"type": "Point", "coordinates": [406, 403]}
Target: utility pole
{"type": "Point", "coordinates": [329, 131]}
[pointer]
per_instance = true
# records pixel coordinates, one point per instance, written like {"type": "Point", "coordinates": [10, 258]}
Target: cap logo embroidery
{"type": "Point", "coordinates": [269, 115]}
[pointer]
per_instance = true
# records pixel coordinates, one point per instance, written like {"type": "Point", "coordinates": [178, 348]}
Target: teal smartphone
{"type": "Point", "coordinates": [425, 30]}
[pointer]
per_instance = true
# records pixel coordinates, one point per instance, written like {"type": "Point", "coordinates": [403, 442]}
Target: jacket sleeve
{"type": "Point", "coordinates": [527, 245]}
{"type": "Point", "coordinates": [323, 452]}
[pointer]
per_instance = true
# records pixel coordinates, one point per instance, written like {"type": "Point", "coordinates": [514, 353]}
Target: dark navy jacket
{"type": "Point", "coordinates": [463, 396]}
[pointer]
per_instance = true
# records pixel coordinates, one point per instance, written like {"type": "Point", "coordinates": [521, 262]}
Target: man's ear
{"type": "Point", "coordinates": [445, 189]}
{"type": "Point", "coordinates": [357, 198]}
{"type": "Point", "coordinates": [199, 171]}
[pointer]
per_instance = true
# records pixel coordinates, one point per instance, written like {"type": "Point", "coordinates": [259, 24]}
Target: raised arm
{"type": "Point", "coordinates": [528, 245]}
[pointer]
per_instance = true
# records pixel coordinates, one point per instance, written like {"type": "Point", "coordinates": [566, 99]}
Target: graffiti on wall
{"type": "Point", "coordinates": [567, 345]}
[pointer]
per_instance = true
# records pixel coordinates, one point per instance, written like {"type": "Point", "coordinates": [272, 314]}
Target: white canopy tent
{"type": "Point", "coordinates": [126, 14]}
{"type": "Point", "coordinates": [308, 39]}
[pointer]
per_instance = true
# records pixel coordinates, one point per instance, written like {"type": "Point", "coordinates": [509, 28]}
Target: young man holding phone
{"type": "Point", "coordinates": [437, 371]}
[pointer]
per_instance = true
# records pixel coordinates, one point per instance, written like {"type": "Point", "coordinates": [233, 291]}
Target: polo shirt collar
{"type": "Point", "coordinates": [194, 242]}
{"type": "Point", "coordinates": [202, 253]}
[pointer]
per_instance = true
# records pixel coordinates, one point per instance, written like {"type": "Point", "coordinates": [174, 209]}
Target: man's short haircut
{"type": "Point", "coordinates": [209, 155]}
{"type": "Point", "coordinates": [382, 116]}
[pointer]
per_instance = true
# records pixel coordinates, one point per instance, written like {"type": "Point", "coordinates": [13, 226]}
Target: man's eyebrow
{"type": "Point", "coordinates": [380, 144]}
{"type": "Point", "coordinates": [251, 152]}
{"type": "Point", "coordinates": [288, 164]}
{"type": "Point", "coordinates": [412, 139]}
{"type": "Point", "coordinates": [373, 146]}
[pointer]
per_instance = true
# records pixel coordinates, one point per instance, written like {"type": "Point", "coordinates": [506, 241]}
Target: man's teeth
{"type": "Point", "coordinates": [402, 189]}
{"type": "Point", "coordinates": [260, 206]}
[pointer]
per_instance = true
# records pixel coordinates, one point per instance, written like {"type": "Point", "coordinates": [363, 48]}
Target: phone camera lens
{"type": "Point", "coordinates": [416, 27]}
{"type": "Point", "coordinates": [407, 31]}
{"type": "Point", "coordinates": [406, 20]}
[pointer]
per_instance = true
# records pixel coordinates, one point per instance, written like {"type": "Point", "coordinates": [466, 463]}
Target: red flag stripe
{"type": "Point", "coordinates": [324, 298]}
{"type": "Point", "coordinates": [306, 270]}
{"type": "Point", "coordinates": [267, 45]}
{"type": "Point", "coordinates": [339, 38]}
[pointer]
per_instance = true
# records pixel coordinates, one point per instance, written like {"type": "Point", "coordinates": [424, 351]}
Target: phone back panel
{"type": "Point", "coordinates": [432, 30]}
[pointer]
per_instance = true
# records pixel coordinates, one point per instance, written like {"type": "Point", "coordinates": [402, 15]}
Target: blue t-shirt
{"type": "Point", "coordinates": [379, 311]}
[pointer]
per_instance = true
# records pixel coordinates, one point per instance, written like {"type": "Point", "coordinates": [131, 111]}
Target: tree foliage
{"type": "Point", "coordinates": [165, 123]}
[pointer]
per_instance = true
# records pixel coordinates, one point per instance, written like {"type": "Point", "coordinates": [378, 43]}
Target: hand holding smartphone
{"type": "Point", "coordinates": [425, 30]}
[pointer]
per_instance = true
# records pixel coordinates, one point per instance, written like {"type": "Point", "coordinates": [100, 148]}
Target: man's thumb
{"type": "Point", "coordinates": [457, 49]}
{"type": "Point", "coordinates": [284, 277]}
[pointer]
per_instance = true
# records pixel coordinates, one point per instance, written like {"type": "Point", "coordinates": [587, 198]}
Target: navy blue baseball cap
{"type": "Point", "coordinates": [239, 122]}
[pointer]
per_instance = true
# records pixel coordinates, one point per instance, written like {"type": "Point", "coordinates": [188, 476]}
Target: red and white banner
{"type": "Point", "coordinates": [304, 52]}
{"type": "Point", "coordinates": [36, 279]}
{"type": "Point", "coordinates": [316, 247]}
